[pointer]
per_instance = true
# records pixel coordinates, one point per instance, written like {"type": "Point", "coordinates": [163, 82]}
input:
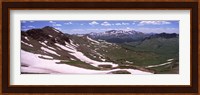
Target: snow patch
{"type": "Point", "coordinates": [69, 46]}
{"type": "Point", "coordinates": [92, 40]}
{"type": "Point", "coordinates": [72, 43]}
{"type": "Point", "coordinates": [82, 57]}
{"type": "Point", "coordinates": [65, 48]}
{"type": "Point", "coordinates": [45, 41]}
{"type": "Point", "coordinates": [42, 43]}
{"type": "Point", "coordinates": [159, 65]}
{"type": "Point", "coordinates": [170, 59]}
{"type": "Point", "coordinates": [50, 36]}
{"type": "Point", "coordinates": [49, 51]}
{"type": "Point", "coordinates": [26, 38]}
{"type": "Point", "coordinates": [56, 30]}
{"type": "Point", "coordinates": [103, 59]}
{"type": "Point", "coordinates": [72, 59]}
{"type": "Point", "coordinates": [45, 56]}
{"type": "Point", "coordinates": [47, 45]}
{"type": "Point", "coordinates": [129, 62]}
{"type": "Point", "coordinates": [107, 43]}
{"type": "Point", "coordinates": [27, 44]}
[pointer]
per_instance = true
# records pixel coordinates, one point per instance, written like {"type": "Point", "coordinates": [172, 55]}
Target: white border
{"type": "Point", "coordinates": [183, 78]}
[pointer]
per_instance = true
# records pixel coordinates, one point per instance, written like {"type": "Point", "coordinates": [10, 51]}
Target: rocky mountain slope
{"type": "Point", "coordinates": [48, 50]}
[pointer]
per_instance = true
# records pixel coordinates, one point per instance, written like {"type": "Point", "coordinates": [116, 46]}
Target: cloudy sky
{"type": "Point", "coordinates": [87, 26]}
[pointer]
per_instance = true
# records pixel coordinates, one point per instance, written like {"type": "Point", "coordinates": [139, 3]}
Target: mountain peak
{"type": "Point", "coordinates": [47, 27]}
{"type": "Point", "coordinates": [121, 31]}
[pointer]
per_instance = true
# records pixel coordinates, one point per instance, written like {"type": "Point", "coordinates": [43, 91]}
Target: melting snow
{"type": "Point", "coordinates": [46, 45]}
{"type": "Point", "coordinates": [26, 38]}
{"type": "Point", "coordinates": [95, 63]}
{"type": "Point", "coordinates": [72, 43]}
{"type": "Point", "coordinates": [45, 41]}
{"type": "Point", "coordinates": [49, 51]}
{"type": "Point", "coordinates": [92, 40]}
{"type": "Point", "coordinates": [72, 59]}
{"type": "Point", "coordinates": [69, 46]}
{"type": "Point", "coordinates": [45, 56]}
{"type": "Point", "coordinates": [84, 58]}
{"type": "Point", "coordinates": [159, 65]}
{"type": "Point", "coordinates": [38, 65]}
{"type": "Point", "coordinates": [65, 48]}
{"type": "Point", "coordinates": [50, 36]}
{"type": "Point", "coordinates": [27, 44]}
{"type": "Point", "coordinates": [36, 70]}
{"type": "Point", "coordinates": [170, 59]}
{"type": "Point", "coordinates": [103, 59]}
{"type": "Point", "coordinates": [56, 30]}
{"type": "Point", "coordinates": [107, 43]}
{"type": "Point", "coordinates": [129, 62]}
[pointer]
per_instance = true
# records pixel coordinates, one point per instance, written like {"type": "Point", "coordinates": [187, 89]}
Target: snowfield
{"type": "Point", "coordinates": [38, 65]}
{"type": "Point", "coordinates": [95, 63]}
{"type": "Point", "coordinates": [82, 57]}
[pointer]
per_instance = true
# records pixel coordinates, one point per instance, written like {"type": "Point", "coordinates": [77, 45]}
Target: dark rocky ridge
{"type": "Point", "coordinates": [164, 35]}
{"type": "Point", "coordinates": [47, 33]}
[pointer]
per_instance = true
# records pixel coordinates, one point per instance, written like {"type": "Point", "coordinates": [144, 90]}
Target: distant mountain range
{"type": "Point", "coordinates": [121, 36]}
{"type": "Point", "coordinates": [115, 51]}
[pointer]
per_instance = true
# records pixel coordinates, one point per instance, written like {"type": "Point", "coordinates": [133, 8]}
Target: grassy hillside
{"type": "Point", "coordinates": [149, 52]}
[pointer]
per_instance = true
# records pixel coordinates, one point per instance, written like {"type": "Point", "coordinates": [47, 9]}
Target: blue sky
{"type": "Point", "coordinates": [88, 26]}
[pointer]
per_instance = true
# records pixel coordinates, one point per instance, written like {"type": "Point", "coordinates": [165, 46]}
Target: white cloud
{"type": "Point", "coordinates": [92, 29]}
{"type": "Point", "coordinates": [128, 28]}
{"type": "Point", "coordinates": [153, 23]}
{"type": "Point", "coordinates": [78, 30]}
{"type": "Point", "coordinates": [158, 30]}
{"type": "Point", "coordinates": [68, 23]}
{"type": "Point", "coordinates": [123, 23]}
{"type": "Point", "coordinates": [31, 26]}
{"type": "Point", "coordinates": [52, 22]}
{"type": "Point", "coordinates": [118, 24]}
{"type": "Point", "coordinates": [93, 23]}
{"type": "Point", "coordinates": [105, 24]}
{"type": "Point", "coordinates": [57, 25]}
{"type": "Point", "coordinates": [106, 29]}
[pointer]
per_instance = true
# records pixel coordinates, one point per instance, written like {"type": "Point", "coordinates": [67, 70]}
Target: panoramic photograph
{"type": "Point", "coordinates": [137, 47]}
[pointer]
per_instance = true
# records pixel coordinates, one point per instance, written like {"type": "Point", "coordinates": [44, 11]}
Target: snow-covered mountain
{"type": "Point", "coordinates": [119, 36]}
{"type": "Point", "coordinates": [48, 50]}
